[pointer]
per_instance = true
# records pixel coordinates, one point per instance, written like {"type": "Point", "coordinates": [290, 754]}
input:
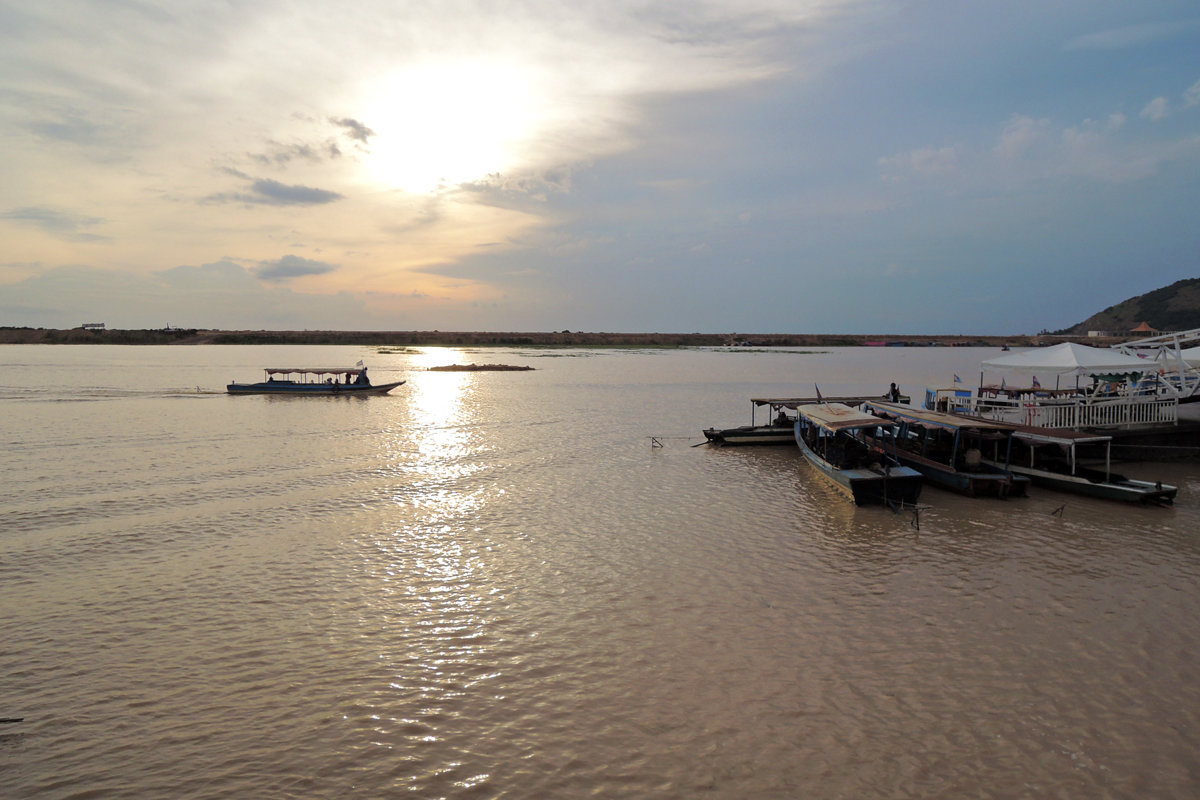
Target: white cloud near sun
{"type": "Point", "coordinates": [282, 120]}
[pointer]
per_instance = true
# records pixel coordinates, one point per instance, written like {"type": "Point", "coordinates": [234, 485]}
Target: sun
{"type": "Point", "coordinates": [443, 123]}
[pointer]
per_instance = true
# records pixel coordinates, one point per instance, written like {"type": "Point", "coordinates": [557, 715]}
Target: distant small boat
{"type": "Point", "coordinates": [313, 381]}
{"type": "Point", "coordinates": [827, 436]}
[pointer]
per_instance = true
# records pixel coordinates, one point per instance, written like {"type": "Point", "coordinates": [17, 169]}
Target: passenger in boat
{"type": "Point", "coordinates": [782, 420]}
{"type": "Point", "coordinates": [362, 378]}
{"type": "Point", "coordinates": [894, 393]}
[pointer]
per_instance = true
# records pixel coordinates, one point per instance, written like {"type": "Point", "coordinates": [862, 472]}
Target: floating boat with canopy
{"type": "Point", "coordinates": [781, 418]}
{"type": "Point", "coordinates": [314, 381]}
{"type": "Point", "coordinates": [948, 449]}
{"type": "Point", "coordinates": [1050, 459]}
{"type": "Point", "coordinates": [827, 435]}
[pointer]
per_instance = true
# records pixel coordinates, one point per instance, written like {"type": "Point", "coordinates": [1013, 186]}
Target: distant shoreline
{"type": "Point", "coordinates": [187, 336]}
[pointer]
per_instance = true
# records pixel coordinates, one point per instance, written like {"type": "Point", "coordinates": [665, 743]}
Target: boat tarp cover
{"type": "Point", "coordinates": [839, 417]}
{"type": "Point", "coordinates": [1069, 358]}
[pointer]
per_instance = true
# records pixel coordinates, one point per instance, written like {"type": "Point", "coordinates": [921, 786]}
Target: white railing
{"type": "Point", "coordinates": [1077, 412]}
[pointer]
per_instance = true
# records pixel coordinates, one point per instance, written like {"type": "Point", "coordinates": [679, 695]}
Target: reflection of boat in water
{"type": "Point", "coordinates": [314, 381]}
{"type": "Point", "coordinates": [827, 435]}
{"type": "Point", "coordinates": [1049, 459]}
{"type": "Point", "coordinates": [948, 449]}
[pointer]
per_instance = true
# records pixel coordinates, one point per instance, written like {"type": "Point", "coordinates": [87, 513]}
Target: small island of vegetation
{"type": "Point", "coordinates": [480, 368]}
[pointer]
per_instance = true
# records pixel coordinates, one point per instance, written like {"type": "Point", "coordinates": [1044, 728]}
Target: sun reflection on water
{"type": "Point", "coordinates": [426, 611]}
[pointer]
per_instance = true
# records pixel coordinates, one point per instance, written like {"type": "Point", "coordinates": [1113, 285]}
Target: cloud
{"type": "Point", "coordinates": [60, 224]}
{"type": "Point", "coordinates": [926, 161]}
{"type": "Point", "coordinates": [354, 129]}
{"type": "Point", "coordinates": [1157, 109]}
{"type": "Point", "coordinates": [1131, 36]}
{"type": "Point", "coordinates": [221, 294]}
{"type": "Point", "coordinates": [1021, 136]}
{"type": "Point", "coordinates": [69, 129]}
{"type": "Point", "coordinates": [288, 267]}
{"type": "Point", "coordinates": [281, 154]}
{"type": "Point", "coordinates": [1192, 96]}
{"type": "Point", "coordinates": [279, 194]}
{"type": "Point", "coordinates": [273, 193]}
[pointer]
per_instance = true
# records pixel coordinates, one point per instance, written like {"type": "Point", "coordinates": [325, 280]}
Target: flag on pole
{"type": "Point", "coordinates": [819, 398]}
{"type": "Point", "coordinates": [957, 380]}
{"type": "Point", "coordinates": [1003, 384]}
{"type": "Point", "coordinates": [1036, 385]}
{"type": "Point", "coordinates": [359, 364]}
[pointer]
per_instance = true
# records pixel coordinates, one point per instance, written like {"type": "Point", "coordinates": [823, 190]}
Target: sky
{"type": "Point", "coordinates": [767, 166]}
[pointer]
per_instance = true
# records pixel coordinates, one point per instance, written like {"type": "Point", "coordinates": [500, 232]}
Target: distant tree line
{"type": "Point", "coordinates": [16, 335]}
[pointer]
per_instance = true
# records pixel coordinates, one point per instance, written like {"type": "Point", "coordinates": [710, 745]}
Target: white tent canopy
{"type": "Point", "coordinates": [1070, 359]}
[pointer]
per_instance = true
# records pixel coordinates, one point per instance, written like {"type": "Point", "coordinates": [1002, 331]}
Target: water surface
{"type": "Point", "coordinates": [494, 584]}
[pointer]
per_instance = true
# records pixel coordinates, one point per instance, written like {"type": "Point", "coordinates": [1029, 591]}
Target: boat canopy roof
{"type": "Point", "coordinates": [840, 417]}
{"type": "Point", "coordinates": [937, 419]}
{"type": "Point", "coordinates": [1059, 436]}
{"type": "Point", "coordinates": [315, 370]}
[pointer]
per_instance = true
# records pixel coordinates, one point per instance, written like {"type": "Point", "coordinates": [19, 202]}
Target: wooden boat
{"type": "Point", "coordinates": [779, 425]}
{"type": "Point", "coordinates": [948, 449]}
{"type": "Point", "coordinates": [752, 434]}
{"type": "Point", "coordinates": [778, 430]}
{"type": "Point", "coordinates": [826, 435]}
{"type": "Point", "coordinates": [314, 381]}
{"type": "Point", "coordinates": [1049, 458]}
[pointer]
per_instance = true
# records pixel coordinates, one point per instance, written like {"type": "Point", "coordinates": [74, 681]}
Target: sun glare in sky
{"type": "Point", "coordinates": [445, 123]}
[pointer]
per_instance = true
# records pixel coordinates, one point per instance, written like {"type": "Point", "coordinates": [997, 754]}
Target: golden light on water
{"type": "Point", "coordinates": [443, 422]}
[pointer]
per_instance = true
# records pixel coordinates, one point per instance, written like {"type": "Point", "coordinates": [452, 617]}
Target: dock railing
{"type": "Point", "coordinates": [1066, 412]}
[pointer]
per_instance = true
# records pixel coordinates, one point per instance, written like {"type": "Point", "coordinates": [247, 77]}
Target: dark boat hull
{"type": "Point", "coordinates": [1114, 487]}
{"type": "Point", "coordinates": [983, 483]}
{"type": "Point", "coordinates": [750, 435]}
{"type": "Point", "coordinates": [310, 389]}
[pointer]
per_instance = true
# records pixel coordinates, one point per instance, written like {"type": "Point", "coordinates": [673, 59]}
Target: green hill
{"type": "Point", "coordinates": [1171, 308]}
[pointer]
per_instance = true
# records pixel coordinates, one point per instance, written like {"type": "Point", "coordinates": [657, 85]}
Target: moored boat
{"type": "Point", "coordinates": [314, 381]}
{"type": "Point", "coordinates": [778, 430]}
{"type": "Point", "coordinates": [827, 435]}
{"type": "Point", "coordinates": [780, 420]}
{"type": "Point", "coordinates": [1049, 458]}
{"type": "Point", "coordinates": [948, 449]}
